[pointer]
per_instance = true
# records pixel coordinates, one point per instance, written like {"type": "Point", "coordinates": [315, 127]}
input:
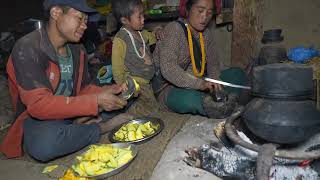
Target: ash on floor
{"type": "Point", "coordinates": [240, 163]}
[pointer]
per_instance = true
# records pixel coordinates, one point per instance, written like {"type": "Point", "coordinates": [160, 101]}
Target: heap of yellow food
{"type": "Point", "coordinates": [134, 131]}
{"type": "Point", "coordinates": [100, 159]}
{"type": "Point", "coordinates": [70, 176]}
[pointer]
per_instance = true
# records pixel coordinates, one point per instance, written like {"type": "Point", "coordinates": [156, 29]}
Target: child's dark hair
{"type": "Point", "coordinates": [124, 8]}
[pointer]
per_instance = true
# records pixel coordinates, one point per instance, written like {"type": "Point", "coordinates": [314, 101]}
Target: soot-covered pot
{"type": "Point", "coordinates": [283, 122]}
{"type": "Point", "coordinates": [281, 112]}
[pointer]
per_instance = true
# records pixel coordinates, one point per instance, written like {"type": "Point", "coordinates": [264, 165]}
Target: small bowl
{"type": "Point", "coordinates": [142, 120]}
{"type": "Point", "coordinates": [115, 171]}
{"type": "Point", "coordinates": [132, 88]}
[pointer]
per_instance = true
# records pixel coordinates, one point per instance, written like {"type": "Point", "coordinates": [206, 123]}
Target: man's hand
{"type": "Point", "coordinates": [124, 87]}
{"type": "Point", "coordinates": [87, 120]}
{"type": "Point", "coordinates": [108, 100]}
{"type": "Point", "coordinates": [112, 88]}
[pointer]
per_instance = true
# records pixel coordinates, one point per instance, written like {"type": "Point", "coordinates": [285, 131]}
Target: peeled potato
{"type": "Point", "coordinates": [100, 159]}
{"type": "Point", "coordinates": [134, 131]}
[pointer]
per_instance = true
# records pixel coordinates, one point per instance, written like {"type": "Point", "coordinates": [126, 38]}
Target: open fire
{"type": "Point", "coordinates": [230, 160]}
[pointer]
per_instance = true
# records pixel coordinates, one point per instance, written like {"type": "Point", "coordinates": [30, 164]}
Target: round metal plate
{"type": "Point", "coordinates": [141, 120]}
{"type": "Point", "coordinates": [133, 148]}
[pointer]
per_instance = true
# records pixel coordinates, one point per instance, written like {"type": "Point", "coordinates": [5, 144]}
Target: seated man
{"type": "Point", "coordinates": [49, 84]}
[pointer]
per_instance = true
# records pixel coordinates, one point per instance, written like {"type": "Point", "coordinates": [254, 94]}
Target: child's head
{"type": "Point", "coordinates": [129, 13]}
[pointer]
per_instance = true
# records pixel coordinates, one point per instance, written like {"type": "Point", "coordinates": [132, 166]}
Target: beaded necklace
{"type": "Point", "coordinates": [134, 45]}
{"type": "Point", "coordinates": [203, 54]}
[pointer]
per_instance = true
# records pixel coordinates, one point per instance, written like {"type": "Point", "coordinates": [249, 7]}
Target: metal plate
{"type": "Point", "coordinates": [131, 90]}
{"type": "Point", "coordinates": [133, 148]}
{"type": "Point", "coordinates": [141, 120]}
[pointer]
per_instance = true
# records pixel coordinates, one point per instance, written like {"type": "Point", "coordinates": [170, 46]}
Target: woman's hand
{"type": "Point", "coordinates": [210, 86]}
{"type": "Point", "coordinates": [159, 33]}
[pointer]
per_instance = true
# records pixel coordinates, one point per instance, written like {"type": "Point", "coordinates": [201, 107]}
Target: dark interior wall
{"type": "Point", "coordinates": [13, 11]}
{"type": "Point", "coordinates": [298, 19]}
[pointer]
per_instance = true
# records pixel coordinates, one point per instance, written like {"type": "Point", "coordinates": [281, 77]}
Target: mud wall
{"type": "Point", "coordinates": [300, 20]}
{"type": "Point", "coordinates": [13, 11]}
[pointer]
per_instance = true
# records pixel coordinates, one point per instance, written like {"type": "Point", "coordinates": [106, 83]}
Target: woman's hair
{"type": "Point", "coordinates": [189, 4]}
{"type": "Point", "coordinates": [124, 8]}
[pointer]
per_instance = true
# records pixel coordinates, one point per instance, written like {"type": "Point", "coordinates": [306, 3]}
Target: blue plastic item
{"type": "Point", "coordinates": [302, 54]}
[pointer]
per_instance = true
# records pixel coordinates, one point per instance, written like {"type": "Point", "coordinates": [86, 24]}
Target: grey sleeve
{"type": "Point", "coordinates": [171, 46]}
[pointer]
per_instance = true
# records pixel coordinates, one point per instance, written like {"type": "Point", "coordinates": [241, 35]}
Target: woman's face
{"type": "Point", "coordinates": [200, 14]}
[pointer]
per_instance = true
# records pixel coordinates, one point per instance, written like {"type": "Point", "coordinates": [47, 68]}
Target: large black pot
{"type": "Point", "coordinates": [282, 81]}
{"type": "Point", "coordinates": [282, 121]}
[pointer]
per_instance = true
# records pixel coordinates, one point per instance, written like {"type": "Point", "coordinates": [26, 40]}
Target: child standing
{"type": "Point", "coordinates": [131, 54]}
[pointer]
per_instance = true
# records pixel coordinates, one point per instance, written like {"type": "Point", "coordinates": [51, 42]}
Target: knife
{"type": "Point", "coordinates": [227, 84]}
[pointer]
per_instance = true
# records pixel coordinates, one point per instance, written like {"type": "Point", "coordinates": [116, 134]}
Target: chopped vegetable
{"type": "Point", "coordinates": [134, 131]}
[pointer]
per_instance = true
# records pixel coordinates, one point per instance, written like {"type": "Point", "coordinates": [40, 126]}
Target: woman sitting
{"type": "Point", "coordinates": [183, 58]}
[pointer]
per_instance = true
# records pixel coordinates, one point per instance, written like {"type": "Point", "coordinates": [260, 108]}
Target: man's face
{"type": "Point", "coordinates": [71, 24]}
{"type": "Point", "coordinates": [200, 14]}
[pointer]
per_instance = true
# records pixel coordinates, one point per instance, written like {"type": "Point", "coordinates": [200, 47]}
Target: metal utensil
{"type": "Point", "coordinates": [142, 120]}
{"type": "Point", "coordinates": [132, 88]}
{"type": "Point", "coordinates": [227, 84]}
{"type": "Point", "coordinates": [117, 170]}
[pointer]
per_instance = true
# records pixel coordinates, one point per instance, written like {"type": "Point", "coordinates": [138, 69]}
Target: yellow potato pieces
{"type": "Point", "coordinates": [134, 131]}
{"type": "Point", "coordinates": [70, 176]}
{"type": "Point", "coordinates": [100, 159]}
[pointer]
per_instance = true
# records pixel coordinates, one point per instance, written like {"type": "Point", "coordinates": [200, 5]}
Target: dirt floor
{"type": "Point", "coordinates": [141, 168]}
{"type": "Point", "coordinates": [196, 131]}
{"type": "Point", "coordinates": [149, 154]}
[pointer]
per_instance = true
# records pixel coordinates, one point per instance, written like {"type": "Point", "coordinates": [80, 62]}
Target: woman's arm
{"type": "Point", "coordinates": [170, 56]}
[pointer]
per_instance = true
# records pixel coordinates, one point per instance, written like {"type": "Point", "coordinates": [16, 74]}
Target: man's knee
{"type": "Point", "coordinates": [41, 151]}
{"type": "Point", "coordinates": [42, 145]}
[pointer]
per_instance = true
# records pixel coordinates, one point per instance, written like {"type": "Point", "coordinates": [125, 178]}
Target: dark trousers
{"type": "Point", "coordinates": [47, 140]}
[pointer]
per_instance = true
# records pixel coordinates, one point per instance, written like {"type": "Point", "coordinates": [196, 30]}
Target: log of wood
{"type": "Point", "coordinates": [247, 31]}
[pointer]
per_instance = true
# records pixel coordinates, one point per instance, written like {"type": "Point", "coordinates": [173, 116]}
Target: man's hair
{"type": "Point", "coordinates": [65, 10]}
{"type": "Point", "coordinates": [124, 8]}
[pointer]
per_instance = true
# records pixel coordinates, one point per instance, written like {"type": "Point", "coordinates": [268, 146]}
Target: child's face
{"type": "Point", "coordinates": [136, 20]}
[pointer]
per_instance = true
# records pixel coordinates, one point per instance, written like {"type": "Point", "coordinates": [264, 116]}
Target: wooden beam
{"type": "Point", "coordinates": [247, 31]}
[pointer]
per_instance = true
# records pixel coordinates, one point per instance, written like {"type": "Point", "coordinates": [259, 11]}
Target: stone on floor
{"type": "Point", "coordinates": [198, 131]}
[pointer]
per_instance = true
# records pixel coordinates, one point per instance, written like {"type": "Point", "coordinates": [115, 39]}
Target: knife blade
{"type": "Point", "coordinates": [227, 84]}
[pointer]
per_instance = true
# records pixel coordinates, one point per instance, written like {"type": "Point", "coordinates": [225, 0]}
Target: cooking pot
{"type": "Point", "coordinates": [282, 121]}
{"type": "Point", "coordinates": [282, 80]}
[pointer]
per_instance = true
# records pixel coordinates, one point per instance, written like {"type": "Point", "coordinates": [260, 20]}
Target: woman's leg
{"type": "Point", "coordinates": [195, 102]}
{"type": "Point", "coordinates": [47, 140]}
{"type": "Point", "coordinates": [185, 101]}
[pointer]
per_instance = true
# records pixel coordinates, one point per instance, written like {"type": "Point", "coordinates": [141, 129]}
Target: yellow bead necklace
{"type": "Point", "coordinates": [203, 54]}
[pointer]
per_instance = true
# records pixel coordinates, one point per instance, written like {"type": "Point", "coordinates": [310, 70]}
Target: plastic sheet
{"type": "Point", "coordinates": [302, 54]}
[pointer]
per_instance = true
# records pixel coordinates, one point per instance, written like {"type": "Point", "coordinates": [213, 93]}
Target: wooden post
{"type": "Point", "coordinates": [247, 31]}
